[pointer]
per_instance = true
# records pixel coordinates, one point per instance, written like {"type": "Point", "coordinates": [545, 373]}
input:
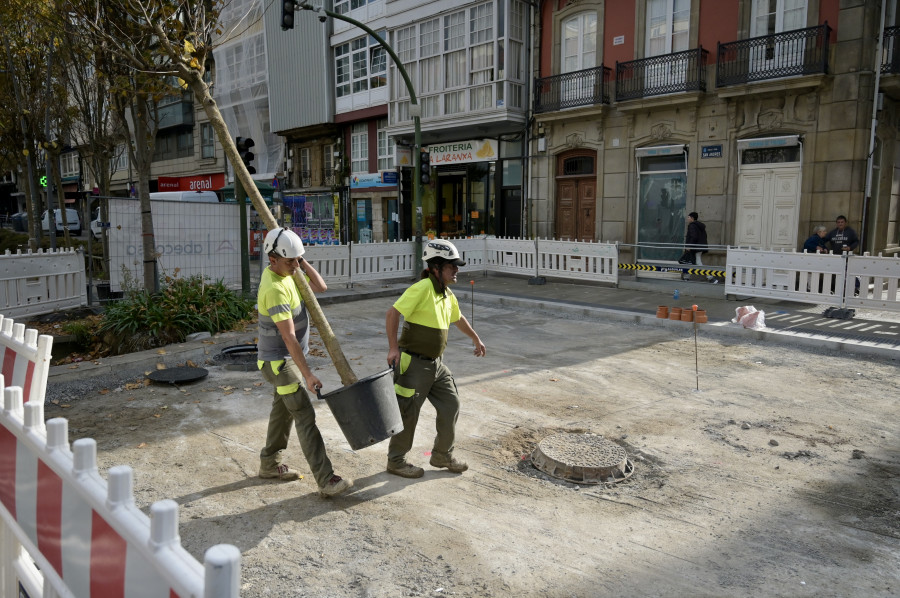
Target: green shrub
{"type": "Point", "coordinates": [143, 320]}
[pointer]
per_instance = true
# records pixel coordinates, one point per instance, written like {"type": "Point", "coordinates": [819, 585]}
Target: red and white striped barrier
{"type": "Point", "coordinates": [26, 358]}
{"type": "Point", "coordinates": [65, 532]}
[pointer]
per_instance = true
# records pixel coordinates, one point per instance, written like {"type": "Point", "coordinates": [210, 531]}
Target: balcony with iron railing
{"type": "Point", "coordinates": [586, 87]}
{"type": "Point", "coordinates": [890, 51]}
{"type": "Point", "coordinates": [890, 62]}
{"type": "Point", "coordinates": [330, 177]}
{"type": "Point", "coordinates": [657, 75]}
{"type": "Point", "coordinates": [790, 54]}
{"type": "Point", "coordinates": [306, 179]}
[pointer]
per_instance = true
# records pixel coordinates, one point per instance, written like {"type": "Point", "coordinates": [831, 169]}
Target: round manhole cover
{"type": "Point", "coordinates": [238, 358]}
{"type": "Point", "coordinates": [181, 375]}
{"type": "Point", "coordinates": [582, 458]}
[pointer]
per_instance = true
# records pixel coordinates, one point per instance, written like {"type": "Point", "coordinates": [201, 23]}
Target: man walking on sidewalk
{"type": "Point", "coordinates": [428, 308]}
{"type": "Point", "coordinates": [282, 347]}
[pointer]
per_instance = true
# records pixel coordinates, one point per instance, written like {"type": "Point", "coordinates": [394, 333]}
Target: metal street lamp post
{"type": "Point", "coordinates": [414, 110]}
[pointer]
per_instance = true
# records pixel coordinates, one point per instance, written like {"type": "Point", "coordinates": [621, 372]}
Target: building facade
{"type": "Point", "coordinates": [756, 114]}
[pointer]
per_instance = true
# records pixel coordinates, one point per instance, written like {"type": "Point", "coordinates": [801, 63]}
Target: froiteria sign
{"type": "Point", "coordinates": [459, 152]}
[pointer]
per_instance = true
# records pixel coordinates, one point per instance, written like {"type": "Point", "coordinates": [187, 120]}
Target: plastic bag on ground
{"type": "Point", "coordinates": [749, 317]}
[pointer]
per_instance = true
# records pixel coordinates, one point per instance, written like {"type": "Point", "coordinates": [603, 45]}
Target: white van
{"type": "Point", "coordinates": [72, 219]}
{"type": "Point", "coordinates": [198, 196]}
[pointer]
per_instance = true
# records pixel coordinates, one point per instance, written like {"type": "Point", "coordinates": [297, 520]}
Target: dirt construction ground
{"type": "Point", "coordinates": [779, 477]}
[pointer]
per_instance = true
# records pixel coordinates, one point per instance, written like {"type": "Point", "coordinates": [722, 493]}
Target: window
{"type": "Point", "coordinates": [360, 65]}
{"type": "Point", "coordinates": [455, 31]}
{"type": "Point", "coordinates": [430, 38]}
{"type": "Point", "coordinates": [579, 42]}
{"type": "Point", "coordinates": [173, 145]}
{"type": "Point", "coordinates": [68, 165]}
{"type": "Point", "coordinates": [305, 172]}
{"type": "Point", "coordinates": [405, 42]}
{"type": "Point", "coordinates": [207, 141]}
{"type": "Point", "coordinates": [328, 165]}
{"type": "Point", "coordinates": [119, 159]}
{"type": "Point", "coordinates": [359, 148]}
{"type": "Point", "coordinates": [668, 25]}
{"type": "Point", "coordinates": [342, 69]}
{"type": "Point", "coordinates": [385, 147]}
{"type": "Point", "coordinates": [775, 16]}
{"type": "Point", "coordinates": [481, 24]}
{"type": "Point", "coordinates": [378, 64]}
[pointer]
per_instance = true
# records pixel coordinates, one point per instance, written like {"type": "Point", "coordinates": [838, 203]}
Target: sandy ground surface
{"type": "Point", "coordinates": [779, 477]}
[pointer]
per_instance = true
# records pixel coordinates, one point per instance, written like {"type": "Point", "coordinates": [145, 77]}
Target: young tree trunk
{"type": "Point", "coordinates": [199, 87]}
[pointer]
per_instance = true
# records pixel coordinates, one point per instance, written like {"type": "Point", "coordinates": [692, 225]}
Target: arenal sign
{"type": "Point", "coordinates": [202, 182]}
{"type": "Point", "coordinates": [460, 152]}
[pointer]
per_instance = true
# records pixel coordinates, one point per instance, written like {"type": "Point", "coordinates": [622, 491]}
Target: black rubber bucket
{"type": "Point", "coordinates": [367, 410]}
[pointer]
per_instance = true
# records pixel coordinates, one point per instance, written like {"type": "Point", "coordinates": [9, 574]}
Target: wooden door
{"type": "Point", "coordinates": [576, 209]}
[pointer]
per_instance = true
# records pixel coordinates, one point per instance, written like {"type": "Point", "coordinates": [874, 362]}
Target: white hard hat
{"type": "Point", "coordinates": [283, 242]}
{"type": "Point", "coordinates": [445, 250]}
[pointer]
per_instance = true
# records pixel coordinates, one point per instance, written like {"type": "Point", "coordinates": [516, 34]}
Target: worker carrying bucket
{"type": "Point", "coordinates": [282, 348]}
{"type": "Point", "coordinates": [428, 308]}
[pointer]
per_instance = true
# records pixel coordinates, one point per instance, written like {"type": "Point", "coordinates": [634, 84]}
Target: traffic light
{"type": "Point", "coordinates": [425, 167]}
{"type": "Point", "coordinates": [243, 147]}
{"type": "Point", "coordinates": [287, 14]}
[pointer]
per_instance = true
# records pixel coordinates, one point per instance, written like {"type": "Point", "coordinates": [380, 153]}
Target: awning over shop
{"type": "Point", "coordinates": [265, 189]}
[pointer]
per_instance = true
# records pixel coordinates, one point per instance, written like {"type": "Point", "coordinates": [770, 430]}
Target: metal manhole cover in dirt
{"type": "Point", "coordinates": [182, 375]}
{"type": "Point", "coordinates": [582, 458]}
{"type": "Point", "coordinates": [238, 357]}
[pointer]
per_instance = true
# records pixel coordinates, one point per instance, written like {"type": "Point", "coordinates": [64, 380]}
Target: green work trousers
{"type": "Point", "coordinates": [416, 379]}
{"type": "Point", "coordinates": [291, 405]}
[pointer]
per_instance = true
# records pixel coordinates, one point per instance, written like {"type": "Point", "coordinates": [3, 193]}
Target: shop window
{"type": "Point", "coordinates": [662, 195]}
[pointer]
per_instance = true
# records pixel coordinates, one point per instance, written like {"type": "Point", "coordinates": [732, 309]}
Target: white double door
{"type": "Point", "coordinates": [768, 206]}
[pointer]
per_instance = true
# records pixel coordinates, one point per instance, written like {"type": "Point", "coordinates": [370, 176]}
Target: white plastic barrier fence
{"type": "Point", "coordinates": [66, 533]}
{"type": "Point", "coordinates": [803, 277]}
{"type": "Point", "coordinates": [510, 256]}
{"type": "Point", "coordinates": [331, 261]}
{"type": "Point", "coordinates": [473, 253]}
{"type": "Point", "coordinates": [878, 282]}
{"type": "Point", "coordinates": [377, 261]}
{"type": "Point", "coordinates": [40, 283]}
{"type": "Point", "coordinates": [597, 262]}
{"type": "Point", "coordinates": [26, 359]}
{"type": "Point", "coordinates": [577, 260]}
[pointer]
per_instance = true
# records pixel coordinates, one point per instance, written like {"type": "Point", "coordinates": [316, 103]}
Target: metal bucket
{"type": "Point", "coordinates": [367, 410]}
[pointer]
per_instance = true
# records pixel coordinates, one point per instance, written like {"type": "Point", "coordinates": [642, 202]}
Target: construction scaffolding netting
{"type": "Point", "coordinates": [241, 87]}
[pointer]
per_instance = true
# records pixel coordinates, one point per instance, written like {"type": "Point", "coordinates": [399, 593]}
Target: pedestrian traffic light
{"type": "Point", "coordinates": [425, 167]}
{"type": "Point", "coordinates": [287, 14]}
{"type": "Point", "coordinates": [243, 147]}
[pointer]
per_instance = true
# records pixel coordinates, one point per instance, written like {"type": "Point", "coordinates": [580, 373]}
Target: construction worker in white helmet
{"type": "Point", "coordinates": [428, 308]}
{"type": "Point", "coordinates": [282, 347]}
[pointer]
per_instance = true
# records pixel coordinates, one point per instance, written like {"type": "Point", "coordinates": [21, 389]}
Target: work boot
{"type": "Point", "coordinates": [405, 470]}
{"type": "Point", "coordinates": [448, 462]}
{"type": "Point", "coordinates": [280, 472]}
{"type": "Point", "coordinates": [336, 485]}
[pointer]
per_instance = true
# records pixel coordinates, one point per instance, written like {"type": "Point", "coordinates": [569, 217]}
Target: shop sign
{"type": "Point", "coordinates": [372, 179]}
{"type": "Point", "coordinates": [389, 177]}
{"type": "Point", "coordinates": [402, 156]}
{"type": "Point", "coordinates": [460, 152]}
{"type": "Point", "coordinates": [201, 182]}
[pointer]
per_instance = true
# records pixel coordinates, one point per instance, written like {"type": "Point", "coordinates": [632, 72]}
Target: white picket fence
{"type": "Point", "coordinates": [35, 283]}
